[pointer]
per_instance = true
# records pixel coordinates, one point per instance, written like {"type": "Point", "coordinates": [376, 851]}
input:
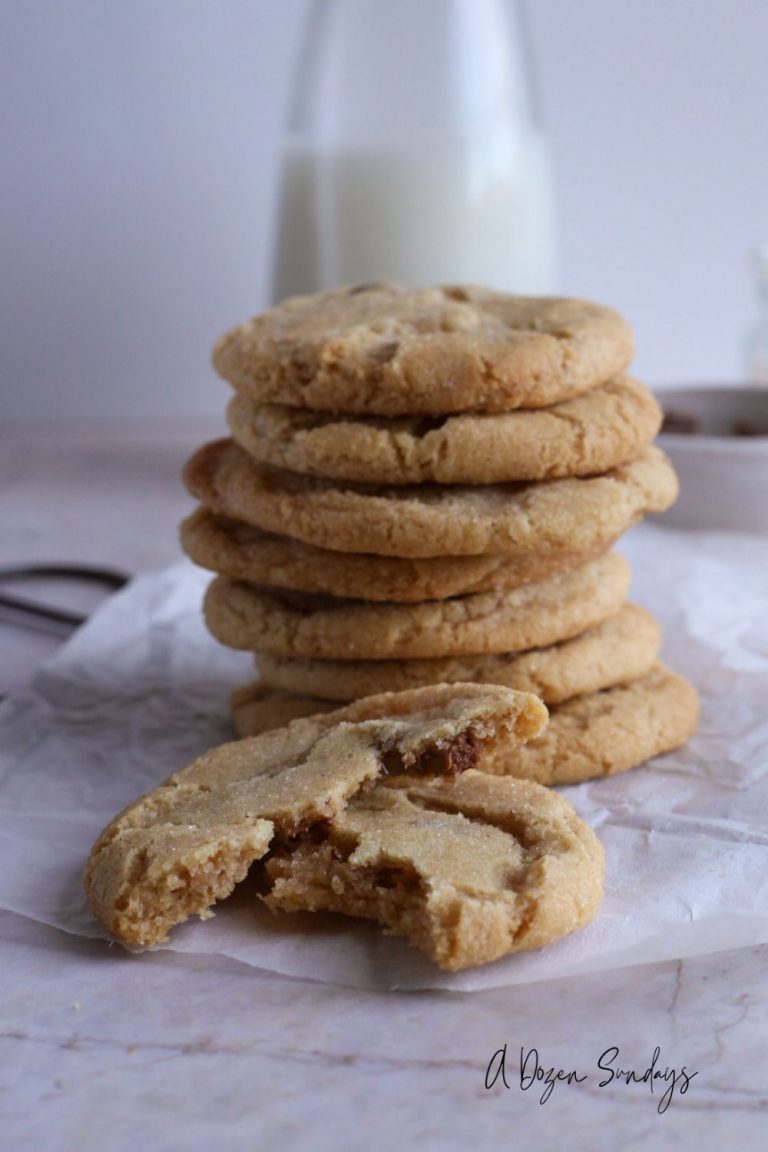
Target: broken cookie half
{"type": "Point", "coordinates": [589, 736]}
{"type": "Point", "coordinates": [469, 868]}
{"type": "Point", "coordinates": [386, 800]}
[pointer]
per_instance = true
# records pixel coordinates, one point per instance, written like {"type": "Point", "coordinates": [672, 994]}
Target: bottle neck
{"type": "Point", "coordinates": [408, 72]}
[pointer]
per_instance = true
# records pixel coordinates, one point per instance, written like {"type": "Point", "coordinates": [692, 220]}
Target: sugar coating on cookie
{"type": "Point", "coordinates": [592, 433]}
{"type": "Point", "coordinates": [182, 847]}
{"type": "Point", "coordinates": [391, 351]}
{"type": "Point", "coordinates": [568, 515]}
{"type": "Point", "coordinates": [468, 869]}
{"type": "Point", "coordinates": [244, 552]}
{"type": "Point", "coordinates": [622, 648]}
{"type": "Point", "coordinates": [257, 709]}
{"type": "Point", "coordinates": [291, 624]}
{"type": "Point", "coordinates": [607, 732]}
{"type": "Point", "coordinates": [598, 734]}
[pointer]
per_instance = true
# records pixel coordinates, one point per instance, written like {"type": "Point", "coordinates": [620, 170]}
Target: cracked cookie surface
{"type": "Point", "coordinates": [622, 648]}
{"type": "Point", "coordinates": [388, 350]}
{"type": "Point", "coordinates": [185, 845]}
{"type": "Point", "coordinates": [292, 624]}
{"type": "Point", "coordinates": [550, 516]}
{"type": "Point", "coordinates": [599, 734]}
{"type": "Point", "coordinates": [589, 434]}
{"type": "Point", "coordinates": [469, 868]}
{"type": "Point", "coordinates": [244, 552]}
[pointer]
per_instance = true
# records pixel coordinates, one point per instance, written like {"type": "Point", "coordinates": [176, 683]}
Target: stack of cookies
{"type": "Point", "coordinates": [424, 487]}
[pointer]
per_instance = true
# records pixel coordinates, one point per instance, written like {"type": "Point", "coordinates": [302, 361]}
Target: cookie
{"type": "Point", "coordinates": [468, 869]}
{"type": "Point", "coordinates": [623, 648]}
{"type": "Point", "coordinates": [257, 709]}
{"type": "Point", "coordinates": [180, 848]}
{"type": "Point", "coordinates": [573, 515]}
{"type": "Point", "coordinates": [264, 709]}
{"type": "Point", "coordinates": [589, 434]}
{"type": "Point", "coordinates": [608, 732]}
{"type": "Point", "coordinates": [385, 350]}
{"type": "Point", "coordinates": [295, 624]}
{"type": "Point", "coordinates": [243, 552]}
{"type": "Point", "coordinates": [589, 736]}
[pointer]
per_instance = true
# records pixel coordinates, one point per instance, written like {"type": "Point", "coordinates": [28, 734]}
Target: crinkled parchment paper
{"type": "Point", "coordinates": [142, 689]}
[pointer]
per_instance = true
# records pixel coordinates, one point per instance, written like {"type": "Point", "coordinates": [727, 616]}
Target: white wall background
{"type": "Point", "coordinates": [138, 148]}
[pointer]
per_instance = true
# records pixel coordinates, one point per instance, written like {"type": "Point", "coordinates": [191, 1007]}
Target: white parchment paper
{"type": "Point", "coordinates": [142, 689]}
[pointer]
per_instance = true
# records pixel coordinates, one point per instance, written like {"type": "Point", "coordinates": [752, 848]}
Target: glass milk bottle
{"type": "Point", "coordinates": [415, 152]}
{"type": "Point", "coordinates": [757, 340]}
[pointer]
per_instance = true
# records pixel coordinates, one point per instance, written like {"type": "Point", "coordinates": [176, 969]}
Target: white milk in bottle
{"type": "Point", "coordinates": [415, 152]}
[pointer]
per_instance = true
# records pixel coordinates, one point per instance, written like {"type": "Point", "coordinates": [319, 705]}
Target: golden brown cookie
{"type": "Point", "coordinates": [257, 709]}
{"type": "Point", "coordinates": [573, 515]}
{"type": "Point", "coordinates": [608, 732]}
{"type": "Point", "coordinates": [180, 848]}
{"type": "Point", "coordinates": [468, 869]}
{"type": "Point", "coordinates": [262, 709]}
{"type": "Point", "coordinates": [294, 624]}
{"type": "Point", "coordinates": [596, 735]}
{"type": "Point", "coordinates": [244, 552]}
{"type": "Point", "coordinates": [589, 434]}
{"type": "Point", "coordinates": [622, 648]}
{"type": "Point", "coordinates": [386, 350]}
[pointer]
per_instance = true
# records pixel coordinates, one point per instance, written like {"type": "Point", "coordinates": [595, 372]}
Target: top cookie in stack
{"type": "Point", "coordinates": [381, 349]}
{"type": "Point", "coordinates": [424, 486]}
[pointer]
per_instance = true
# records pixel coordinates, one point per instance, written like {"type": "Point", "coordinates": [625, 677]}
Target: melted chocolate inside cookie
{"type": "Point", "coordinates": [450, 760]}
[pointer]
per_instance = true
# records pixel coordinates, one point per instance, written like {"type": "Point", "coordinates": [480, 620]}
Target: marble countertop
{"type": "Point", "coordinates": [102, 1049]}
